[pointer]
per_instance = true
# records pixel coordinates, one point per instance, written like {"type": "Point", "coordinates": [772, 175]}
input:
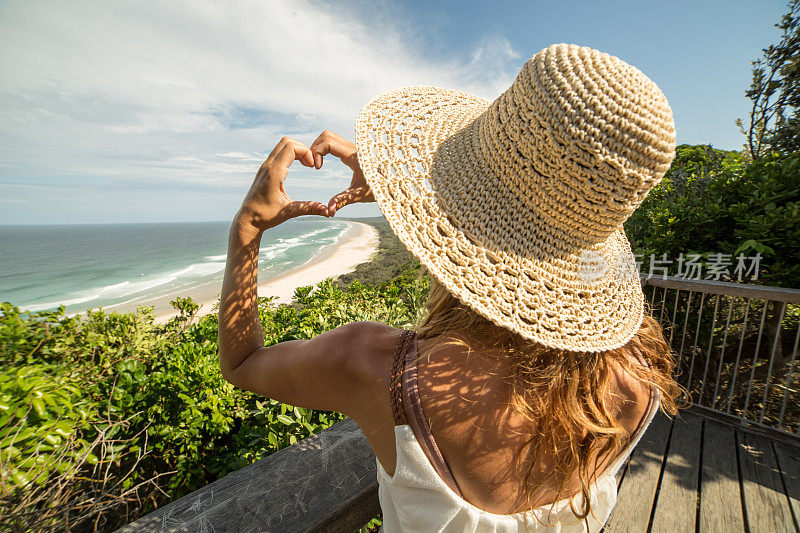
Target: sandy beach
{"type": "Point", "coordinates": [355, 247]}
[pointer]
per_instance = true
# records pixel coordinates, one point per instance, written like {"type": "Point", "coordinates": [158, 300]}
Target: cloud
{"type": "Point", "coordinates": [198, 92]}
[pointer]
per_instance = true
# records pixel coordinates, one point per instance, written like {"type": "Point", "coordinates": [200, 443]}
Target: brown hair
{"type": "Point", "coordinates": [559, 389]}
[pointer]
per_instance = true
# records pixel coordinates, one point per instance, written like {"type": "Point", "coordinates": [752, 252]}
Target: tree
{"type": "Point", "coordinates": [775, 92]}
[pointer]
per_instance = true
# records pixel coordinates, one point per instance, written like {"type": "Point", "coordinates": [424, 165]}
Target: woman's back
{"type": "Point", "coordinates": [465, 398]}
{"type": "Point", "coordinates": [481, 484]}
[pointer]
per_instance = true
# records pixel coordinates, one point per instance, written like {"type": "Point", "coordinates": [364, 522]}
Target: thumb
{"type": "Point", "coordinates": [347, 197]}
{"type": "Point", "coordinates": [306, 207]}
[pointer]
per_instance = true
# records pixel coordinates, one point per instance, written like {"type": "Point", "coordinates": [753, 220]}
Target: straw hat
{"type": "Point", "coordinates": [516, 206]}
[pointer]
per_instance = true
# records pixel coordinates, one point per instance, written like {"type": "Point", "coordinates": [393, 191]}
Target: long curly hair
{"type": "Point", "coordinates": [563, 391]}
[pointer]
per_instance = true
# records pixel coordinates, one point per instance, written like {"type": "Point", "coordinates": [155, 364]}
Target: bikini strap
{"type": "Point", "coordinates": [407, 406]}
{"type": "Point", "coordinates": [396, 383]}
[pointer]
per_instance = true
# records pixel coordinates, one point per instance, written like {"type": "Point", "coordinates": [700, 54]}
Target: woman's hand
{"type": "Point", "coordinates": [266, 203]}
{"type": "Point", "coordinates": [336, 145]}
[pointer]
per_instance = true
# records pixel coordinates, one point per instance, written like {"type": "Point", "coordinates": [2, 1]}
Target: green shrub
{"type": "Point", "coordinates": [41, 409]}
{"type": "Point", "coordinates": [106, 416]}
{"type": "Point", "coordinates": [712, 201]}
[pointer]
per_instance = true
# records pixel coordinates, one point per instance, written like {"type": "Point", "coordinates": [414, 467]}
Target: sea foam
{"type": "Point", "coordinates": [128, 291]}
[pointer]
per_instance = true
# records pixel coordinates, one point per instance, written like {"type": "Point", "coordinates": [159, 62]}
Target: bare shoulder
{"type": "Point", "coordinates": [338, 370]}
{"type": "Point", "coordinates": [631, 398]}
{"type": "Point", "coordinates": [363, 351]}
{"type": "Point", "coordinates": [371, 347]}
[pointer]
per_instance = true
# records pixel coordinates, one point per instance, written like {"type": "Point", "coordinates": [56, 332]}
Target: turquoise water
{"type": "Point", "coordinates": [89, 266]}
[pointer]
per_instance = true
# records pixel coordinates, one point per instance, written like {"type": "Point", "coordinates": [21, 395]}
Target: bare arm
{"type": "Point", "coordinates": [266, 205]}
{"type": "Point", "coordinates": [323, 372]}
{"type": "Point", "coordinates": [239, 328]}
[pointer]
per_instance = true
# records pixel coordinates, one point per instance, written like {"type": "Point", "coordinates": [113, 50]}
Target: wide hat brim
{"type": "Point", "coordinates": [421, 152]}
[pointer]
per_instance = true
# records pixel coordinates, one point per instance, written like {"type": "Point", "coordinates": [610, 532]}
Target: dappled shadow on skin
{"type": "Point", "coordinates": [240, 300]}
{"type": "Point", "coordinates": [465, 397]}
{"type": "Point", "coordinates": [239, 326]}
{"type": "Point", "coordinates": [693, 460]}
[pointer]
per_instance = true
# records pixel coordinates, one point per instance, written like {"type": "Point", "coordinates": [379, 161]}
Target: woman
{"type": "Point", "coordinates": [536, 370]}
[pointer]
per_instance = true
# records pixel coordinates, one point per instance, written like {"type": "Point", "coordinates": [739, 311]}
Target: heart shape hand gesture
{"type": "Point", "coordinates": [336, 145]}
{"type": "Point", "coordinates": [266, 204]}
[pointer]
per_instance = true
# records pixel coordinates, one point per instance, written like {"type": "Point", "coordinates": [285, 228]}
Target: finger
{"type": "Point", "coordinates": [332, 205]}
{"type": "Point", "coordinates": [276, 152]}
{"type": "Point", "coordinates": [334, 144]}
{"type": "Point", "coordinates": [293, 150]}
{"type": "Point", "coordinates": [347, 197]}
{"type": "Point", "coordinates": [320, 148]}
{"type": "Point", "coordinates": [280, 146]}
{"type": "Point", "coordinates": [299, 208]}
{"type": "Point", "coordinates": [319, 152]}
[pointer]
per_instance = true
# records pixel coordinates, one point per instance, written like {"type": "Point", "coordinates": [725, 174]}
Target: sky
{"type": "Point", "coordinates": [147, 111]}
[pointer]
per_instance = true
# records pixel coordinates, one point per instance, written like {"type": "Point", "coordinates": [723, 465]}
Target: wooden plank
{"type": "Point", "coordinates": [676, 508]}
{"type": "Point", "coordinates": [638, 489]}
{"type": "Point", "coordinates": [720, 498]}
{"type": "Point", "coordinates": [733, 420]}
{"type": "Point", "coordinates": [327, 482]}
{"type": "Point", "coordinates": [766, 505]}
{"type": "Point", "coordinates": [789, 465]}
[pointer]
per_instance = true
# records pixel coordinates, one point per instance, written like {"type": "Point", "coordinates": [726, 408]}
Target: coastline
{"type": "Point", "coordinates": [357, 246]}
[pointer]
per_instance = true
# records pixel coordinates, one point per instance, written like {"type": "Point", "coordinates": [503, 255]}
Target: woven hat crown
{"type": "Point", "coordinates": [516, 205]}
{"type": "Point", "coordinates": [585, 133]}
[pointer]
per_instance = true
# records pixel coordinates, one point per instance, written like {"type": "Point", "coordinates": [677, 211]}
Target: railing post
{"type": "Point", "coordinates": [774, 412]}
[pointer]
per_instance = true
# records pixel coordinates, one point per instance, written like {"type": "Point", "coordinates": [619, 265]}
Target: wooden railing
{"type": "Point", "coordinates": [327, 482]}
{"type": "Point", "coordinates": [736, 347]}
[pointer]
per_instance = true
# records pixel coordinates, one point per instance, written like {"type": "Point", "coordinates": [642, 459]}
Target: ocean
{"type": "Point", "coordinates": [120, 266]}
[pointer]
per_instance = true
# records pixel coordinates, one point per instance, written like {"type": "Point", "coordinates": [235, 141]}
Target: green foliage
{"type": "Point", "coordinates": [40, 410]}
{"type": "Point", "coordinates": [713, 201]}
{"type": "Point", "coordinates": [391, 260]}
{"type": "Point", "coordinates": [718, 202]}
{"type": "Point", "coordinates": [142, 409]}
{"type": "Point", "coordinates": [774, 123]}
{"type": "Point", "coordinates": [765, 207]}
{"type": "Point", "coordinates": [672, 216]}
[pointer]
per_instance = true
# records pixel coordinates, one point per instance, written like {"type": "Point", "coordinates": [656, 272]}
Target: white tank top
{"type": "Point", "coordinates": [422, 495]}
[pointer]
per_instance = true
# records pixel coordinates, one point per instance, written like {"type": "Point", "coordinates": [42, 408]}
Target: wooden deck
{"type": "Point", "coordinates": [692, 474]}
{"type": "Point", "coordinates": [696, 473]}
